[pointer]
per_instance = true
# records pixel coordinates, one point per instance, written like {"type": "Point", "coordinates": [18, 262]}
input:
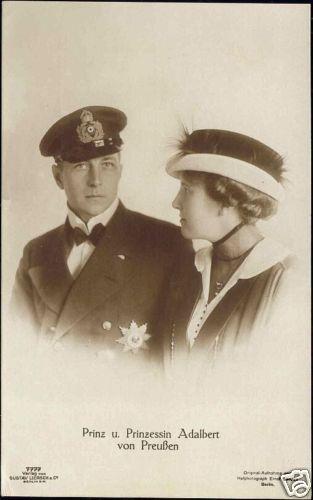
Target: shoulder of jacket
{"type": "Point", "coordinates": [288, 264]}
{"type": "Point", "coordinates": [146, 221]}
{"type": "Point", "coordinates": [158, 233]}
{"type": "Point", "coordinates": [151, 229]}
{"type": "Point", "coordinates": [43, 241]}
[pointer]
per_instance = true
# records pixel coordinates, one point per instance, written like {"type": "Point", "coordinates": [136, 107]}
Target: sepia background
{"type": "Point", "coordinates": [236, 67]}
{"type": "Point", "coordinates": [241, 67]}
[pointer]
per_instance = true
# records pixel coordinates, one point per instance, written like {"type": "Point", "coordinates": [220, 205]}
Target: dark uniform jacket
{"type": "Point", "coordinates": [125, 280]}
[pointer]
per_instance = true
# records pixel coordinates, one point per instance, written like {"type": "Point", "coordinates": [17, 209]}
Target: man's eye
{"type": "Point", "coordinates": [108, 164]}
{"type": "Point", "coordinates": [81, 166]}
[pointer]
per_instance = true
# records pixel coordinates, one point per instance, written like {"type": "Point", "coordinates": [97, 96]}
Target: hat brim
{"type": "Point", "coordinates": [227, 166]}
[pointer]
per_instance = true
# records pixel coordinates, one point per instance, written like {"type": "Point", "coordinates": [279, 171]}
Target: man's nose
{"type": "Point", "coordinates": [95, 175]}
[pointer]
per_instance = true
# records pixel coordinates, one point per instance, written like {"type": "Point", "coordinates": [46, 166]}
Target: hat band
{"type": "Point", "coordinates": [230, 167]}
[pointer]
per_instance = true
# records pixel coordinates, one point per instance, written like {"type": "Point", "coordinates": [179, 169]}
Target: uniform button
{"type": "Point", "coordinates": [52, 329]}
{"type": "Point", "coordinates": [121, 256]}
{"type": "Point", "coordinates": [107, 325]}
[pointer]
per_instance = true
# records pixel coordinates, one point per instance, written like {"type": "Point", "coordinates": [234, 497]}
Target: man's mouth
{"type": "Point", "coordinates": [94, 196]}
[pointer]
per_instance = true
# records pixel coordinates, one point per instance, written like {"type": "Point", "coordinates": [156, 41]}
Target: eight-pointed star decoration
{"type": "Point", "coordinates": [134, 337]}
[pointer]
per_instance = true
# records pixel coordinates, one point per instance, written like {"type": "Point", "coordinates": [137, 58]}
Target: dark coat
{"type": "Point", "coordinates": [126, 279]}
{"type": "Point", "coordinates": [246, 315]}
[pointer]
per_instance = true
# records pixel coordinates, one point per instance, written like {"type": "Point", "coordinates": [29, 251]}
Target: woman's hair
{"type": "Point", "coordinates": [250, 203]}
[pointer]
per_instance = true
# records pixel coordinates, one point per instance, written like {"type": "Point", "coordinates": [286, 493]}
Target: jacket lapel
{"type": "Point", "coordinates": [51, 277]}
{"type": "Point", "coordinates": [111, 263]}
{"type": "Point", "coordinates": [186, 290]}
{"type": "Point", "coordinates": [222, 313]}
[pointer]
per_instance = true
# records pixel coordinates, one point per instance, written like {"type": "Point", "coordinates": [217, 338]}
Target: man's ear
{"type": "Point", "coordinates": [121, 169]}
{"type": "Point", "coordinates": [119, 156]}
{"type": "Point", "coordinates": [221, 210]}
{"type": "Point", "coordinates": [57, 174]}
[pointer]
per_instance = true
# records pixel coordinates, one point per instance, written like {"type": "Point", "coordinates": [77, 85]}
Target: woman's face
{"type": "Point", "coordinates": [200, 215]}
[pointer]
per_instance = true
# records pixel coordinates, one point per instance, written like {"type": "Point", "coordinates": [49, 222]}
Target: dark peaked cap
{"type": "Point", "coordinates": [84, 134]}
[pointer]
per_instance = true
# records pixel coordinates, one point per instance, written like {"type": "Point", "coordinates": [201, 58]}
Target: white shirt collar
{"type": "Point", "coordinates": [102, 218]}
{"type": "Point", "coordinates": [203, 260]}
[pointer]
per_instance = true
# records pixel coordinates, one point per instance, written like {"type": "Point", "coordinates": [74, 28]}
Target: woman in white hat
{"type": "Point", "coordinates": [229, 181]}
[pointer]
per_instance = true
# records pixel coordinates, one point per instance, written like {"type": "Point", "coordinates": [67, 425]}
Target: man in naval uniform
{"type": "Point", "coordinates": [98, 282]}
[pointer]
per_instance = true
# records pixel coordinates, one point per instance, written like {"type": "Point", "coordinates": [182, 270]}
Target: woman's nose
{"type": "Point", "coordinates": [176, 202]}
{"type": "Point", "coordinates": [94, 178]}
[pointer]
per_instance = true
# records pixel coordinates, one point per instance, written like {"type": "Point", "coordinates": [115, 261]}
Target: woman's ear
{"type": "Point", "coordinates": [57, 174]}
{"type": "Point", "coordinates": [231, 214]}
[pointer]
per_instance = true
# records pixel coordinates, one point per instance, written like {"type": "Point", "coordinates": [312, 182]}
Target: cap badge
{"type": "Point", "coordinates": [134, 337]}
{"type": "Point", "coordinates": [90, 130]}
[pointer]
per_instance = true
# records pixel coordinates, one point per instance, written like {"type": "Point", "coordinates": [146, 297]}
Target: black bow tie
{"type": "Point", "coordinates": [78, 236]}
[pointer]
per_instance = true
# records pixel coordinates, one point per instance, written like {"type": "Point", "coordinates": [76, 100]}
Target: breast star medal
{"type": "Point", "coordinates": [134, 338]}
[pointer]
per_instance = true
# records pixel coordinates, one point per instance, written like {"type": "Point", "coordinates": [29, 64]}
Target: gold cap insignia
{"type": "Point", "coordinates": [90, 130]}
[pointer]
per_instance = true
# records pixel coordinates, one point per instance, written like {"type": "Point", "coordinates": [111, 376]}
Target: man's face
{"type": "Point", "coordinates": [90, 186]}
